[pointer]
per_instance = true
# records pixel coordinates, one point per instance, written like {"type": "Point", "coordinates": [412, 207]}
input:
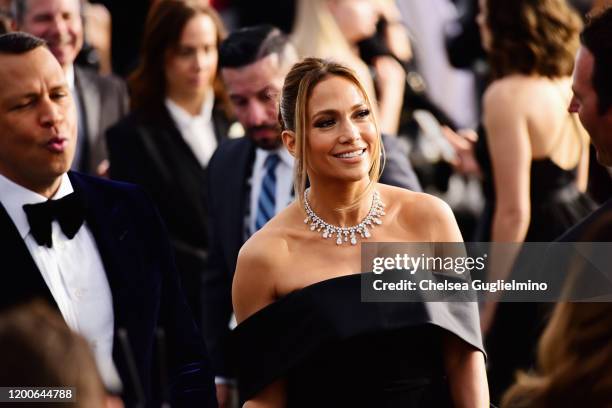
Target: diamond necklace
{"type": "Point", "coordinates": [344, 234]}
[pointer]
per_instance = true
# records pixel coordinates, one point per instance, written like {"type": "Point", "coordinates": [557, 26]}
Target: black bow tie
{"type": "Point", "coordinates": [68, 211]}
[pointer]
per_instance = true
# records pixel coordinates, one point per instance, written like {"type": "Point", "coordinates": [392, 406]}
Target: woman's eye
{"type": "Point", "coordinates": [324, 123]}
{"type": "Point", "coordinates": [185, 52]}
{"type": "Point", "coordinates": [363, 113]}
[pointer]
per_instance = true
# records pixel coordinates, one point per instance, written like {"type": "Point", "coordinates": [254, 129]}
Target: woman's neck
{"type": "Point", "coordinates": [191, 104]}
{"type": "Point", "coordinates": [335, 204]}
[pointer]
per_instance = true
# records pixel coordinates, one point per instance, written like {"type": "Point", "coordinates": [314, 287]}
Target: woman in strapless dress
{"type": "Point", "coordinates": [305, 338]}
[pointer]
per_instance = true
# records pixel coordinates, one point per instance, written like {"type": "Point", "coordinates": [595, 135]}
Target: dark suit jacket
{"type": "Point", "coordinates": [145, 288]}
{"type": "Point", "coordinates": [228, 173]}
{"type": "Point", "coordinates": [597, 227]}
{"type": "Point", "coordinates": [105, 101]}
{"type": "Point", "coordinates": [147, 149]}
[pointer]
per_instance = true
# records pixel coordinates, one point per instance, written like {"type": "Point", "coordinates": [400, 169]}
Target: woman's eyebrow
{"type": "Point", "coordinates": [332, 111]}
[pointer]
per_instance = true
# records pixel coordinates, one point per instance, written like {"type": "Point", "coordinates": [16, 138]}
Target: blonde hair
{"type": "Point", "coordinates": [574, 360]}
{"type": "Point", "coordinates": [37, 349]}
{"type": "Point", "coordinates": [575, 351]}
{"type": "Point", "coordinates": [316, 34]}
{"type": "Point", "coordinates": [293, 116]}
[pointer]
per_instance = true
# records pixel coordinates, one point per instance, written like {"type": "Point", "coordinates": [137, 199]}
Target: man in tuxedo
{"type": "Point", "coordinates": [593, 102]}
{"type": "Point", "coordinates": [94, 249]}
{"type": "Point", "coordinates": [254, 62]}
{"type": "Point", "coordinates": [101, 100]}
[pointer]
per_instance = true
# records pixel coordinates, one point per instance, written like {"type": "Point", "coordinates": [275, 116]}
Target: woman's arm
{"type": "Point", "coordinates": [273, 396]}
{"type": "Point", "coordinates": [510, 150]}
{"type": "Point", "coordinates": [253, 288]}
{"type": "Point", "coordinates": [466, 373]}
{"type": "Point", "coordinates": [390, 82]}
{"type": "Point", "coordinates": [254, 282]}
{"type": "Point", "coordinates": [464, 364]}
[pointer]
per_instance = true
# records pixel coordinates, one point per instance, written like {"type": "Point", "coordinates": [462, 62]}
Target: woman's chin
{"type": "Point", "coordinates": [352, 176]}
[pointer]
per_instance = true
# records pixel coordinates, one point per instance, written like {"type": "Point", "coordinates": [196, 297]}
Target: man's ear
{"type": "Point", "coordinates": [289, 141]}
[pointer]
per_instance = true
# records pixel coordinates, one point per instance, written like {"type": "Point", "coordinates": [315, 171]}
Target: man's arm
{"type": "Point", "coordinates": [189, 370]}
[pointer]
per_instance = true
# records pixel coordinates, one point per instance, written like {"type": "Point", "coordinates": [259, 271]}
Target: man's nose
{"type": "Point", "coordinates": [256, 114]}
{"type": "Point", "coordinates": [58, 26]}
{"type": "Point", "coordinates": [51, 113]}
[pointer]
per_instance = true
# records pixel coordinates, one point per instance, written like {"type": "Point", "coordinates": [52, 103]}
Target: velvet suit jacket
{"type": "Point", "coordinates": [145, 289]}
{"type": "Point", "coordinates": [228, 173]}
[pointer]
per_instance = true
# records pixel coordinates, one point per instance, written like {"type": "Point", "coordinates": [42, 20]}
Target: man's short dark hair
{"type": "Point", "coordinates": [250, 44]}
{"type": "Point", "coordinates": [19, 43]}
{"type": "Point", "coordinates": [597, 38]}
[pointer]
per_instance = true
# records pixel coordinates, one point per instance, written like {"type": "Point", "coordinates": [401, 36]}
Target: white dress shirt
{"type": "Point", "coordinates": [74, 273]}
{"type": "Point", "coordinates": [284, 181]}
{"type": "Point", "coordinates": [197, 131]}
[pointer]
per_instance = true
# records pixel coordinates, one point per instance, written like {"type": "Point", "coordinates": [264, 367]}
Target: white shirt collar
{"type": "Point", "coordinates": [70, 77]}
{"type": "Point", "coordinates": [13, 197]}
{"type": "Point", "coordinates": [184, 118]}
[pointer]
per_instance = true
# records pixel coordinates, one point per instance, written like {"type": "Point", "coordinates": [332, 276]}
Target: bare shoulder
{"type": "Point", "coordinates": [513, 91]}
{"type": "Point", "coordinates": [259, 263]}
{"type": "Point", "coordinates": [420, 211]}
{"type": "Point", "coordinates": [508, 100]}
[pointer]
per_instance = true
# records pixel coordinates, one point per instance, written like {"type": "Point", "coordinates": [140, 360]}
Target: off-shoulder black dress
{"type": "Point", "coordinates": [336, 351]}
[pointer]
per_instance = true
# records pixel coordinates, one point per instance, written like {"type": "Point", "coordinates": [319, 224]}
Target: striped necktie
{"type": "Point", "coordinates": [266, 204]}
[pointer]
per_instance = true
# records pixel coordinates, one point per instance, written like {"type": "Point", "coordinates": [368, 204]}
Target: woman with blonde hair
{"type": "Point", "coordinates": [574, 361]}
{"type": "Point", "coordinates": [332, 29]}
{"type": "Point", "coordinates": [305, 338]}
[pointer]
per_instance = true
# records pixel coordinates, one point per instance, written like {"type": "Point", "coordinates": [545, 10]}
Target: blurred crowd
{"type": "Point", "coordinates": [472, 96]}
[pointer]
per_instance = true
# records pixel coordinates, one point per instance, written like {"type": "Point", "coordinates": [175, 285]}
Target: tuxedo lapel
{"type": "Point", "coordinates": [21, 277]}
{"type": "Point", "coordinates": [109, 228]}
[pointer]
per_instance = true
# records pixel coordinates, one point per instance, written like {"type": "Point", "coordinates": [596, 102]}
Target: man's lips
{"type": "Point", "coordinates": [264, 132]}
{"type": "Point", "coordinates": [57, 144]}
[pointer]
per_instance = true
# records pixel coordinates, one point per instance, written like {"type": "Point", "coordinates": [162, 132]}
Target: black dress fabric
{"type": "Point", "coordinates": [556, 205]}
{"type": "Point", "coordinates": [556, 202]}
{"type": "Point", "coordinates": [336, 351]}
